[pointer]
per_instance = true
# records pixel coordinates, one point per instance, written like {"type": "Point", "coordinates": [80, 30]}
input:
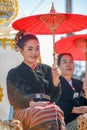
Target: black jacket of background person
{"type": "Point", "coordinates": [23, 81]}
{"type": "Point", "coordinates": [66, 101]}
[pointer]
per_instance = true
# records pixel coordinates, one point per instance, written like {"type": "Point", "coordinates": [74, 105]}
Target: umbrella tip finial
{"type": "Point", "coordinates": [52, 8]}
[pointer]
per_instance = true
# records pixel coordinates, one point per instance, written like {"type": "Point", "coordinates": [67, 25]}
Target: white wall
{"type": "Point", "coordinates": [8, 59]}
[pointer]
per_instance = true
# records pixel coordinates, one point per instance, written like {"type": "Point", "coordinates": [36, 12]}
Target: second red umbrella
{"type": "Point", "coordinates": [75, 45]}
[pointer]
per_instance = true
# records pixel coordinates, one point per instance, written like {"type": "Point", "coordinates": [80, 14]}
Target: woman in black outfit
{"type": "Point", "coordinates": [72, 100]}
{"type": "Point", "coordinates": [31, 87]}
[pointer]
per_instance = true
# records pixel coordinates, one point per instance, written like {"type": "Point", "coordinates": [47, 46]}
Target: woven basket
{"type": "Point", "coordinates": [82, 122]}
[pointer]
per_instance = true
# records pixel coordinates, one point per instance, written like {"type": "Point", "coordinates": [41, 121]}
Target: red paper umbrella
{"type": "Point", "coordinates": [51, 23]}
{"type": "Point", "coordinates": [75, 45]}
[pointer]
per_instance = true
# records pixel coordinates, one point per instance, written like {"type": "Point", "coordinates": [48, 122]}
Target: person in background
{"type": "Point", "coordinates": [31, 87]}
{"type": "Point", "coordinates": [72, 100]}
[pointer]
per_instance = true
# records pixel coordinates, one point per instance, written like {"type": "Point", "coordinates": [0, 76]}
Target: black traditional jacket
{"type": "Point", "coordinates": [23, 81]}
{"type": "Point", "coordinates": [71, 96]}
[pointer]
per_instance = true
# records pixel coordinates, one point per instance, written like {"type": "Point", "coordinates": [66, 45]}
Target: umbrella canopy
{"type": "Point", "coordinates": [75, 45]}
{"type": "Point", "coordinates": [51, 23]}
{"type": "Point", "coordinates": [59, 23]}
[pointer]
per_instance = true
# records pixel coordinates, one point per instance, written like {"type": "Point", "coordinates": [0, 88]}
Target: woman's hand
{"type": "Point", "coordinates": [39, 103]}
{"type": "Point", "coordinates": [80, 110]}
{"type": "Point", "coordinates": [85, 86]}
{"type": "Point", "coordinates": [55, 75]}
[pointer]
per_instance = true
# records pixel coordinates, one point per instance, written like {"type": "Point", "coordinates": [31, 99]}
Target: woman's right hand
{"type": "Point", "coordinates": [55, 75]}
{"type": "Point", "coordinates": [85, 85]}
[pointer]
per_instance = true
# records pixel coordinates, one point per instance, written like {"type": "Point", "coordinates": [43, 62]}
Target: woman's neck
{"type": "Point", "coordinates": [67, 77]}
{"type": "Point", "coordinates": [31, 65]}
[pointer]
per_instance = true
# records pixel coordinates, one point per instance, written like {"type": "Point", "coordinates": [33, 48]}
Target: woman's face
{"type": "Point", "coordinates": [66, 65]}
{"type": "Point", "coordinates": [31, 51]}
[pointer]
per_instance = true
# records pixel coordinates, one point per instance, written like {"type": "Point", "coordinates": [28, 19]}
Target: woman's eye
{"type": "Point", "coordinates": [64, 62]}
{"type": "Point", "coordinates": [71, 62]}
{"type": "Point", "coordinates": [29, 49]}
{"type": "Point", "coordinates": [38, 49]}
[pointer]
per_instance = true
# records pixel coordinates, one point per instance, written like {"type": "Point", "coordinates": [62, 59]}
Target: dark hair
{"type": "Point", "coordinates": [60, 57]}
{"type": "Point", "coordinates": [22, 37]}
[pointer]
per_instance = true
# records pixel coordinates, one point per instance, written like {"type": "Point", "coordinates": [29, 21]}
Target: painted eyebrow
{"type": "Point", "coordinates": [32, 47]}
{"type": "Point", "coordinates": [66, 60]}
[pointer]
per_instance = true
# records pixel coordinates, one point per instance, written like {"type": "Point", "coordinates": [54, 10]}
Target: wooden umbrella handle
{"type": "Point", "coordinates": [86, 65]}
{"type": "Point", "coordinates": [85, 78]}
